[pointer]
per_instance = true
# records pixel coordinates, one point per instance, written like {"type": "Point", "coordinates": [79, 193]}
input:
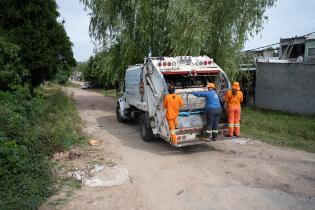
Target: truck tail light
{"type": "Point", "coordinates": [169, 63]}
{"type": "Point", "coordinates": [209, 62]}
{"type": "Point", "coordinates": [164, 63]}
{"type": "Point", "coordinates": [205, 63]}
{"type": "Point", "coordinates": [159, 64]}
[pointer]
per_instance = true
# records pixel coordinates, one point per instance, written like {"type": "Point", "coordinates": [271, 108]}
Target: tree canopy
{"type": "Point", "coordinates": [32, 34]}
{"type": "Point", "coordinates": [217, 28]}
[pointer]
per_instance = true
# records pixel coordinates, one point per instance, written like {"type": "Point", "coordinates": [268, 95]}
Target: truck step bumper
{"type": "Point", "coordinates": [189, 143]}
{"type": "Point", "coordinates": [203, 140]}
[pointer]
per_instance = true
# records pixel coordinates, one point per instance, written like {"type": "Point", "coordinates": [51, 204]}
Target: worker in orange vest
{"type": "Point", "coordinates": [233, 99]}
{"type": "Point", "coordinates": [172, 104]}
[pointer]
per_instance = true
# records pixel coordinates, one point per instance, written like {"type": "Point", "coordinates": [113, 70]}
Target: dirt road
{"type": "Point", "coordinates": [218, 175]}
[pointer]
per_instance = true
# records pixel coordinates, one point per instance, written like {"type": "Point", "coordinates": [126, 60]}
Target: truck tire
{"type": "Point", "coordinates": [145, 128]}
{"type": "Point", "coordinates": [119, 117]}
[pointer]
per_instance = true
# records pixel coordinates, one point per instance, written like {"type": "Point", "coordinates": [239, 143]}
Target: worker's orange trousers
{"type": "Point", "coordinates": [234, 116]}
{"type": "Point", "coordinates": [172, 125]}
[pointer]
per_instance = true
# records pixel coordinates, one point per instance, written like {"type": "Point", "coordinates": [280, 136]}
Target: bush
{"type": "Point", "coordinates": [31, 131]}
{"type": "Point", "coordinates": [12, 71]}
{"type": "Point", "coordinates": [26, 178]}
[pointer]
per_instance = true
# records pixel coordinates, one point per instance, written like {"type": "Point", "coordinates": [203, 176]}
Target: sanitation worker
{"type": "Point", "coordinates": [172, 103]}
{"type": "Point", "coordinates": [213, 108]}
{"type": "Point", "coordinates": [233, 99]}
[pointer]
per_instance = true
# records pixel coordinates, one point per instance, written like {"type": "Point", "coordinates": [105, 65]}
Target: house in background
{"type": "Point", "coordinates": [287, 83]}
{"type": "Point", "coordinates": [291, 48]}
{"type": "Point", "coordinates": [76, 75]}
{"type": "Point", "coordinates": [309, 54]}
{"type": "Point", "coordinates": [302, 47]}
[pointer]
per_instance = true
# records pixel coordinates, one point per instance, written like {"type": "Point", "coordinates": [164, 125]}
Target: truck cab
{"type": "Point", "coordinates": [145, 86]}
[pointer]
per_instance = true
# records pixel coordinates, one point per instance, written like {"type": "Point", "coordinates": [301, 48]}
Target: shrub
{"type": "Point", "coordinates": [31, 130]}
{"type": "Point", "coordinates": [26, 179]}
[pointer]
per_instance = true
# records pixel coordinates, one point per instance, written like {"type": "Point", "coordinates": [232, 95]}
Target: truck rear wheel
{"type": "Point", "coordinates": [145, 128]}
{"type": "Point", "coordinates": [118, 115]}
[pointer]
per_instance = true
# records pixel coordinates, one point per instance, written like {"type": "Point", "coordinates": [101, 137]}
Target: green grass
{"type": "Point", "coordinates": [106, 92]}
{"type": "Point", "coordinates": [32, 129]}
{"type": "Point", "coordinates": [109, 93]}
{"type": "Point", "coordinates": [71, 84]}
{"type": "Point", "coordinates": [66, 187]}
{"type": "Point", "coordinates": [279, 128]}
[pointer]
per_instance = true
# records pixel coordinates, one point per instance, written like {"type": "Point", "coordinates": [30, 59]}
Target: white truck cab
{"type": "Point", "coordinates": [145, 86]}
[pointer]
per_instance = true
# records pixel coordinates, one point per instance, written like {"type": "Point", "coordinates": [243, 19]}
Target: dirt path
{"type": "Point", "coordinates": [218, 175]}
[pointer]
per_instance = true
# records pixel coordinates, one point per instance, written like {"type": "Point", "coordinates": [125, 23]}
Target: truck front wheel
{"type": "Point", "coordinates": [118, 115]}
{"type": "Point", "coordinates": [145, 128]}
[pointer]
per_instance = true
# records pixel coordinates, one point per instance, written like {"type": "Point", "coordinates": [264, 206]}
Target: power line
{"type": "Point", "coordinates": [278, 42]}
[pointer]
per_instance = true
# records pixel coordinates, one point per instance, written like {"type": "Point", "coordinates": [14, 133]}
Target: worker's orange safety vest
{"type": "Point", "coordinates": [172, 104]}
{"type": "Point", "coordinates": [234, 101]}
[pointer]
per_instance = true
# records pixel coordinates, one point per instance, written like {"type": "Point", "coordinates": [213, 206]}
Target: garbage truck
{"type": "Point", "coordinates": [145, 86]}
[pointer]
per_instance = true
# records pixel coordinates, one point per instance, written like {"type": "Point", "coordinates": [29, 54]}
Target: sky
{"type": "Point", "coordinates": [77, 23]}
{"type": "Point", "coordinates": [287, 18]}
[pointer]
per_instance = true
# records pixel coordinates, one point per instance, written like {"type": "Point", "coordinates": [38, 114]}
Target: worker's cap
{"type": "Point", "coordinates": [236, 86]}
{"type": "Point", "coordinates": [210, 85]}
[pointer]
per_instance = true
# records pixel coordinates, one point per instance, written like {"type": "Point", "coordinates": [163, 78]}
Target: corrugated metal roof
{"type": "Point", "coordinates": [310, 37]}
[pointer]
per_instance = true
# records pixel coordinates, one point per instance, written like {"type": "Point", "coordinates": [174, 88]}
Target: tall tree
{"type": "Point", "coordinates": [217, 28]}
{"type": "Point", "coordinates": [32, 25]}
{"type": "Point", "coordinates": [12, 71]}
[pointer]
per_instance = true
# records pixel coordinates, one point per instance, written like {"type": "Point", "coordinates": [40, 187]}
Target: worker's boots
{"type": "Point", "coordinates": [174, 139]}
{"type": "Point", "coordinates": [214, 136]}
{"type": "Point", "coordinates": [209, 134]}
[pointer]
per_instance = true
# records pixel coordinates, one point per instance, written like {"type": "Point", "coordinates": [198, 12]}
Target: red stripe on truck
{"type": "Point", "coordinates": [186, 72]}
{"type": "Point", "coordinates": [174, 72]}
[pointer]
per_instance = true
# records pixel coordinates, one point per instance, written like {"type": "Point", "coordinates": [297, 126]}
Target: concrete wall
{"type": "Point", "coordinates": [286, 87]}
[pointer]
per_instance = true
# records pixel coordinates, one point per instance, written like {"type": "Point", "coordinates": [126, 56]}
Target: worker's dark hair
{"type": "Point", "coordinates": [234, 92]}
{"type": "Point", "coordinates": [171, 90]}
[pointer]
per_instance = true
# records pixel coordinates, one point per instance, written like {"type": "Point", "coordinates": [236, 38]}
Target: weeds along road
{"type": "Point", "coordinates": [218, 175]}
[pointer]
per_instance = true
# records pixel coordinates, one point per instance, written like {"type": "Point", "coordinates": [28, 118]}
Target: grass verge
{"type": "Point", "coordinates": [279, 128]}
{"type": "Point", "coordinates": [106, 92]}
{"type": "Point", "coordinates": [32, 129]}
{"type": "Point", "coordinates": [109, 93]}
{"type": "Point", "coordinates": [71, 84]}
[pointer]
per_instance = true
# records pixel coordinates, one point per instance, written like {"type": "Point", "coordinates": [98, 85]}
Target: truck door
{"type": "Point", "coordinates": [155, 91]}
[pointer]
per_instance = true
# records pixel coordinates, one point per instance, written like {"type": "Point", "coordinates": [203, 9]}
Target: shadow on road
{"type": "Point", "coordinates": [103, 109]}
{"type": "Point", "coordinates": [128, 134]}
